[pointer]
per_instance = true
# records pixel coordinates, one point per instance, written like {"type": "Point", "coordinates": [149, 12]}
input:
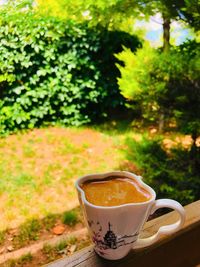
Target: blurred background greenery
{"type": "Point", "coordinates": [76, 62]}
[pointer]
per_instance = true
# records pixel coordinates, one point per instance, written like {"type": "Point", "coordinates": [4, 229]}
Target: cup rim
{"type": "Point", "coordinates": [114, 173]}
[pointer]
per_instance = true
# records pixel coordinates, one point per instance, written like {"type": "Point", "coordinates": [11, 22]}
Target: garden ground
{"type": "Point", "coordinates": [38, 169]}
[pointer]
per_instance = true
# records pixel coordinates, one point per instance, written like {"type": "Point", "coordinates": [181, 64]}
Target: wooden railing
{"type": "Point", "coordinates": [179, 249]}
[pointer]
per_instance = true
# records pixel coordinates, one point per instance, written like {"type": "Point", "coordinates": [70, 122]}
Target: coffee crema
{"type": "Point", "coordinates": [114, 191]}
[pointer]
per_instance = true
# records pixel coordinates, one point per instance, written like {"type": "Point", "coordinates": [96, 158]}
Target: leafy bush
{"type": "Point", "coordinates": [164, 84]}
{"type": "Point", "coordinates": [136, 83]}
{"type": "Point", "coordinates": [53, 71]}
{"type": "Point", "coordinates": [166, 87]}
{"type": "Point", "coordinates": [172, 174]}
{"type": "Point", "coordinates": [43, 66]}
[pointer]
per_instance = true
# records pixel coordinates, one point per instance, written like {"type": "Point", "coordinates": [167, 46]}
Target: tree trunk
{"type": "Point", "coordinates": [166, 47]}
{"type": "Point", "coordinates": [166, 33]}
{"type": "Point", "coordinates": [161, 122]}
{"type": "Point", "coordinates": [195, 154]}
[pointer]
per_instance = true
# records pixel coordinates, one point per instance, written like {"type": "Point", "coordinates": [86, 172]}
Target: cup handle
{"type": "Point", "coordinates": [167, 229]}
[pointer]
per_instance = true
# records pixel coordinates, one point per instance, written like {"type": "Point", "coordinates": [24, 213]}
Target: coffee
{"type": "Point", "coordinates": [114, 191]}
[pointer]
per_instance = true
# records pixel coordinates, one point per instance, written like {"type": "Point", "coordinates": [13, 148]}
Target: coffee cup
{"type": "Point", "coordinates": [115, 229]}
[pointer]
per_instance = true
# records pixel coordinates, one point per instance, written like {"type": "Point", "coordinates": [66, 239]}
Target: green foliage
{"type": "Point", "coordinates": [172, 174]}
{"type": "Point", "coordinates": [72, 240]}
{"type": "Point", "coordinates": [48, 60]}
{"type": "Point", "coordinates": [191, 13]}
{"type": "Point", "coordinates": [184, 88]}
{"type": "Point", "coordinates": [51, 251]}
{"type": "Point", "coordinates": [114, 12]}
{"type": "Point", "coordinates": [139, 83]}
{"type": "Point", "coordinates": [25, 259]}
{"type": "Point", "coordinates": [165, 83]}
{"type": "Point", "coordinates": [49, 221]}
{"type": "Point", "coordinates": [110, 14]}
{"type": "Point", "coordinates": [112, 42]}
{"type": "Point", "coordinates": [2, 236]}
{"type": "Point", "coordinates": [70, 218]}
{"type": "Point", "coordinates": [61, 245]}
{"type": "Point", "coordinates": [136, 71]}
{"type": "Point", "coordinates": [53, 71]}
{"type": "Point", "coordinates": [28, 231]}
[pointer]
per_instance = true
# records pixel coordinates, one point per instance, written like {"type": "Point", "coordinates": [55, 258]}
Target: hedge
{"type": "Point", "coordinates": [56, 71]}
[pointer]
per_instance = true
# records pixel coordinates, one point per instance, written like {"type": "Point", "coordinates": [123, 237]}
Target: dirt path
{"type": "Point", "coordinates": [39, 246]}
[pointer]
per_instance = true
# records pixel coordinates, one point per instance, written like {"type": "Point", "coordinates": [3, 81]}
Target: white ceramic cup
{"type": "Point", "coordinates": [115, 230]}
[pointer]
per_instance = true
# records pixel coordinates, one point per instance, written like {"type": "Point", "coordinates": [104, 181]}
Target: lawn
{"type": "Point", "coordinates": [38, 168]}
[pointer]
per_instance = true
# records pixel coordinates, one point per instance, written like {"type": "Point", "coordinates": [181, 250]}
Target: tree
{"type": "Point", "coordinates": [182, 10]}
{"type": "Point", "coordinates": [112, 13]}
{"type": "Point", "coordinates": [165, 82]}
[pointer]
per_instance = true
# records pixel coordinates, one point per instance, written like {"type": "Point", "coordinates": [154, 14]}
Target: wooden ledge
{"type": "Point", "coordinates": [179, 249]}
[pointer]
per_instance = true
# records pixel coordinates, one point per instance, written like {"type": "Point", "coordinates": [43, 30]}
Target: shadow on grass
{"type": "Point", "coordinates": [173, 173]}
{"type": "Point", "coordinates": [113, 127]}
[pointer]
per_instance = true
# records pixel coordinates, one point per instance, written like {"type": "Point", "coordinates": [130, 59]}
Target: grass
{"type": "Point", "coordinates": [2, 237]}
{"type": "Point", "coordinates": [27, 232]}
{"type": "Point", "coordinates": [70, 218]}
{"type": "Point", "coordinates": [64, 246]}
{"type": "Point", "coordinates": [49, 221]}
{"type": "Point", "coordinates": [24, 259]}
{"type": "Point", "coordinates": [38, 169]}
{"type": "Point", "coordinates": [50, 252]}
{"type": "Point", "coordinates": [33, 229]}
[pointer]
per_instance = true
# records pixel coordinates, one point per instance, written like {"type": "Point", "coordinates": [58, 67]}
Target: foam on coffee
{"type": "Point", "coordinates": [114, 191]}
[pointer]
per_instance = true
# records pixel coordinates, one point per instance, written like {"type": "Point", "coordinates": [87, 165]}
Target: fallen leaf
{"type": "Point", "coordinates": [58, 230]}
